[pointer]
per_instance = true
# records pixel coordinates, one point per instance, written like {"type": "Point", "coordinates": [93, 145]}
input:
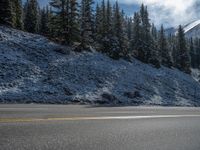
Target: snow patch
{"type": "Point", "coordinates": [196, 74]}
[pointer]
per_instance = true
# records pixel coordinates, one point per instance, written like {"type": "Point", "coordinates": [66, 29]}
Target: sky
{"type": "Point", "coordinates": [171, 13]}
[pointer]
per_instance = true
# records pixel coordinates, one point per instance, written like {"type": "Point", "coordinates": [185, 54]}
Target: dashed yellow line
{"type": "Point", "coordinates": [15, 120]}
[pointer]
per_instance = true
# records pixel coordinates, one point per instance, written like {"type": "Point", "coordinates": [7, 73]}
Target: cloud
{"type": "Point", "coordinates": [169, 12]}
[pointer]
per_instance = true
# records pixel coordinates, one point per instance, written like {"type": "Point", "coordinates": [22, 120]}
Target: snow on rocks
{"type": "Point", "coordinates": [33, 70]}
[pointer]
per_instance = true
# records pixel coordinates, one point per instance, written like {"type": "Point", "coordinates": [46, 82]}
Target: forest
{"type": "Point", "coordinates": [106, 28]}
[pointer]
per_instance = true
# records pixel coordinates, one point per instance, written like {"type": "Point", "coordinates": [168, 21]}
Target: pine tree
{"type": "Point", "coordinates": [6, 13]}
{"type": "Point", "coordinates": [198, 53]}
{"type": "Point", "coordinates": [163, 48]}
{"type": "Point", "coordinates": [64, 21]}
{"type": "Point", "coordinates": [108, 24]}
{"type": "Point", "coordinates": [103, 18]}
{"type": "Point", "coordinates": [147, 39]}
{"type": "Point", "coordinates": [60, 20]}
{"type": "Point", "coordinates": [119, 33]}
{"type": "Point", "coordinates": [154, 36]}
{"type": "Point", "coordinates": [98, 23]}
{"type": "Point", "coordinates": [136, 37]}
{"type": "Point", "coordinates": [154, 32]}
{"type": "Point", "coordinates": [17, 9]}
{"type": "Point", "coordinates": [192, 53]}
{"type": "Point", "coordinates": [171, 40]}
{"type": "Point", "coordinates": [31, 16]}
{"type": "Point", "coordinates": [73, 21]}
{"type": "Point", "coordinates": [87, 29]}
{"type": "Point", "coordinates": [54, 23]}
{"type": "Point", "coordinates": [44, 24]}
{"type": "Point", "coordinates": [183, 59]}
{"type": "Point", "coordinates": [145, 44]}
{"type": "Point", "coordinates": [129, 27]}
{"type": "Point", "coordinates": [195, 53]}
{"type": "Point", "coordinates": [105, 36]}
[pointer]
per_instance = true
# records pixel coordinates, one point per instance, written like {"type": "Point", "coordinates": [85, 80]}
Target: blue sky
{"type": "Point", "coordinates": [128, 8]}
{"type": "Point", "coordinates": [43, 2]}
{"type": "Point", "coordinates": [167, 12]}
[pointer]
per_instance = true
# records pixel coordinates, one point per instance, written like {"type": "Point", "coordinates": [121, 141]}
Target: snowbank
{"type": "Point", "coordinates": [35, 70]}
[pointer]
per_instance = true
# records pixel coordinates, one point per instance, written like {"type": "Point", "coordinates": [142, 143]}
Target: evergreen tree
{"type": "Point", "coordinates": [145, 44]}
{"type": "Point", "coordinates": [196, 53]}
{"type": "Point", "coordinates": [6, 13]}
{"type": "Point", "coordinates": [147, 39]}
{"type": "Point", "coordinates": [86, 23]}
{"type": "Point", "coordinates": [108, 24]}
{"type": "Point", "coordinates": [103, 18]}
{"type": "Point", "coordinates": [193, 54]}
{"type": "Point", "coordinates": [154, 32]}
{"type": "Point", "coordinates": [54, 24]}
{"type": "Point", "coordinates": [31, 16]}
{"type": "Point", "coordinates": [17, 9]}
{"type": "Point", "coordinates": [172, 48]}
{"type": "Point", "coordinates": [44, 24]}
{"type": "Point", "coordinates": [98, 23]}
{"type": "Point", "coordinates": [119, 33]}
{"type": "Point", "coordinates": [129, 27]}
{"type": "Point", "coordinates": [183, 59]}
{"type": "Point", "coordinates": [105, 36]}
{"type": "Point", "coordinates": [60, 20]}
{"type": "Point", "coordinates": [64, 21]}
{"type": "Point", "coordinates": [73, 21]}
{"type": "Point", "coordinates": [163, 48]}
{"type": "Point", "coordinates": [143, 50]}
{"type": "Point", "coordinates": [136, 37]}
{"type": "Point", "coordinates": [147, 51]}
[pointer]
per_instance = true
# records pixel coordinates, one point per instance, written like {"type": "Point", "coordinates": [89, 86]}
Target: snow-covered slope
{"type": "Point", "coordinates": [191, 26]}
{"type": "Point", "coordinates": [33, 69]}
{"type": "Point", "coordinates": [193, 29]}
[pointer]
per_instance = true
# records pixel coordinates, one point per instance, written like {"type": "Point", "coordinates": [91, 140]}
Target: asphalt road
{"type": "Point", "coordinates": [59, 127]}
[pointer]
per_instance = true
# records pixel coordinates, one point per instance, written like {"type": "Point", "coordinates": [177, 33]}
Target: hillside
{"type": "Point", "coordinates": [36, 70]}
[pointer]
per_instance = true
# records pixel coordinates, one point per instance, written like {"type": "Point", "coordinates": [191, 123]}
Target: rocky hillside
{"type": "Point", "coordinates": [36, 70]}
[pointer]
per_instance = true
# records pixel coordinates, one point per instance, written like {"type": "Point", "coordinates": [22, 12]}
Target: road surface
{"type": "Point", "coordinates": [59, 127]}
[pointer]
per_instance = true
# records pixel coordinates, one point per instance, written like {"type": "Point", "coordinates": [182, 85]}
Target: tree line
{"type": "Point", "coordinates": [106, 28]}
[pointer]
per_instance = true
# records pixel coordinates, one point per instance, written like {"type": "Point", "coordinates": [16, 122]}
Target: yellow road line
{"type": "Point", "coordinates": [14, 120]}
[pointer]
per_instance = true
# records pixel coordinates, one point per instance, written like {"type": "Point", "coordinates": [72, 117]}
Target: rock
{"type": "Point", "coordinates": [131, 95]}
{"type": "Point", "coordinates": [109, 97]}
{"type": "Point", "coordinates": [67, 91]}
{"type": "Point", "coordinates": [62, 50]}
{"type": "Point", "coordinates": [137, 94]}
{"type": "Point", "coordinates": [78, 47]}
